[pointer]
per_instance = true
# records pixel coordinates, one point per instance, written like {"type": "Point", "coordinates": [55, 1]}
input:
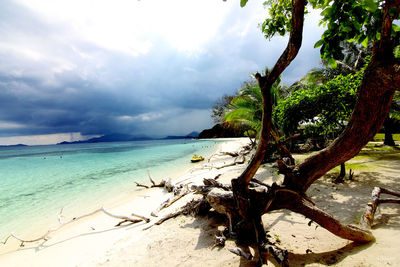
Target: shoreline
{"type": "Point", "coordinates": [188, 241]}
{"type": "Point", "coordinates": [88, 231]}
{"type": "Point", "coordinates": [39, 216]}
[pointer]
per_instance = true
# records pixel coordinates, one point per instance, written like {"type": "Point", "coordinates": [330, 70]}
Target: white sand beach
{"type": "Point", "coordinates": [187, 241]}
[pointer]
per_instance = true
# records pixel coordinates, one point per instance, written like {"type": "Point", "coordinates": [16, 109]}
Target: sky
{"type": "Point", "coordinates": [74, 69]}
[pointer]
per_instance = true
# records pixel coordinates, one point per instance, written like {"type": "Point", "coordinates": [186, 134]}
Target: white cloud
{"type": "Point", "coordinates": [128, 26]}
{"type": "Point", "coordinates": [150, 116]}
{"type": "Point", "coordinates": [149, 66]}
{"type": "Point", "coordinates": [44, 139]}
{"type": "Point", "coordinates": [10, 125]}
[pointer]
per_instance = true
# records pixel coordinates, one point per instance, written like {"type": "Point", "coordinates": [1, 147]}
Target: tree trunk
{"type": "Point", "coordinates": [381, 79]}
{"type": "Point", "coordinates": [342, 174]}
{"type": "Point", "coordinates": [388, 124]}
{"type": "Point", "coordinates": [295, 202]}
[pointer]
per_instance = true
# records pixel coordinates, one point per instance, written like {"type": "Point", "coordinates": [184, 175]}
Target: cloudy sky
{"type": "Point", "coordinates": [71, 69]}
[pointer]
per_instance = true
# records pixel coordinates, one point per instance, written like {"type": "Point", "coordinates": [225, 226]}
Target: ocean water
{"type": "Point", "coordinates": [36, 182]}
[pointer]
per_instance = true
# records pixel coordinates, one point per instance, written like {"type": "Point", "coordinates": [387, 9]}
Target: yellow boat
{"type": "Point", "coordinates": [197, 158]}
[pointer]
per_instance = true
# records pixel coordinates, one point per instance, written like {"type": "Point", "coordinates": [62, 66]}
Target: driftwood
{"type": "Point", "coordinates": [45, 236]}
{"type": "Point", "coordinates": [220, 240]}
{"type": "Point", "coordinates": [171, 200]}
{"type": "Point", "coordinates": [193, 207]}
{"type": "Point", "coordinates": [166, 183]}
{"type": "Point", "coordinates": [241, 253]}
{"type": "Point", "coordinates": [239, 160]}
{"type": "Point", "coordinates": [232, 154]}
{"type": "Point", "coordinates": [367, 218]}
{"type": "Point", "coordinates": [153, 184]}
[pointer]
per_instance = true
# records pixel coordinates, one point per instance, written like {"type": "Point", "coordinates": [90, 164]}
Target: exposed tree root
{"type": "Point", "coordinates": [367, 218]}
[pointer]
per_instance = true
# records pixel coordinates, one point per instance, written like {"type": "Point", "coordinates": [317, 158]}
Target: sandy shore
{"type": "Point", "coordinates": [187, 241]}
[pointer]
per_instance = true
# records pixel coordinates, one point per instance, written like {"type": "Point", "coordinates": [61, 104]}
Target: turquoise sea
{"type": "Point", "coordinates": [36, 182]}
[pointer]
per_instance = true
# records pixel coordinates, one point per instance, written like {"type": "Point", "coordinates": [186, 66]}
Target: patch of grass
{"type": "Point", "coordinates": [278, 239]}
{"type": "Point", "coordinates": [354, 166]}
{"type": "Point", "coordinates": [381, 137]}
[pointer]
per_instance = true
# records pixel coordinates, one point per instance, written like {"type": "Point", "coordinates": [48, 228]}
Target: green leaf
{"type": "Point", "coordinates": [332, 62]}
{"type": "Point", "coordinates": [243, 3]}
{"type": "Point", "coordinates": [365, 42]}
{"type": "Point", "coordinates": [319, 43]}
{"type": "Point", "coordinates": [371, 5]}
{"type": "Point", "coordinates": [395, 27]}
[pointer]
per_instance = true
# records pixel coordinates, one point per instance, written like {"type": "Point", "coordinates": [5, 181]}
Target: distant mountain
{"type": "Point", "coordinates": [118, 137]}
{"type": "Point", "coordinates": [188, 136]}
{"type": "Point", "coordinates": [193, 134]}
{"type": "Point", "coordinates": [115, 137]}
{"type": "Point", "coordinates": [19, 145]}
{"type": "Point", "coordinates": [220, 130]}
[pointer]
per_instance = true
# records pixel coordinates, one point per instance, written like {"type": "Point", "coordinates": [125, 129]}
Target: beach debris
{"type": "Point", "coordinates": [241, 253]}
{"type": "Point", "coordinates": [171, 200]}
{"type": "Point", "coordinates": [193, 207]}
{"type": "Point", "coordinates": [219, 240]}
{"type": "Point", "coordinates": [166, 183]}
{"type": "Point", "coordinates": [45, 236]}
{"type": "Point", "coordinates": [232, 154]}
{"type": "Point", "coordinates": [238, 160]}
{"type": "Point", "coordinates": [367, 218]}
{"type": "Point", "coordinates": [163, 182]}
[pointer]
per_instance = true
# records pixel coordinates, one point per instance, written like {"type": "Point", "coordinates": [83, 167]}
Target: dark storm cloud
{"type": "Point", "coordinates": [53, 82]}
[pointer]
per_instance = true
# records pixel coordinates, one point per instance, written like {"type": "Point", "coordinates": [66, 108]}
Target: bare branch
{"type": "Point", "coordinates": [62, 224]}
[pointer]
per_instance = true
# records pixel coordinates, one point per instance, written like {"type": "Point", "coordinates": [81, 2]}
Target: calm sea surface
{"type": "Point", "coordinates": [36, 182]}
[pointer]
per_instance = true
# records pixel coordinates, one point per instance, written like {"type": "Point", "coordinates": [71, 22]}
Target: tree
{"type": "Point", "coordinates": [392, 119]}
{"type": "Point", "coordinates": [246, 107]}
{"type": "Point", "coordinates": [325, 108]}
{"type": "Point", "coordinates": [220, 106]}
{"type": "Point", "coordinates": [345, 20]}
{"type": "Point", "coordinates": [244, 110]}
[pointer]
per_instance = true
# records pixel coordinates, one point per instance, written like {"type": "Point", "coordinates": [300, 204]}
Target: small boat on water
{"type": "Point", "coordinates": [197, 158]}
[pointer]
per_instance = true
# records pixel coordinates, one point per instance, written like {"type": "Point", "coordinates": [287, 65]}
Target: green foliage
{"type": "Point", "coordinates": [325, 109]}
{"type": "Point", "coordinates": [356, 21]}
{"type": "Point", "coordinates": [246, 108]}
{"type": "Point", "coordinates": [219, 107]}
{"type": "Point", "coordinates": [397, 51]}
{"type": "Point", "coordinates": [279, 21]}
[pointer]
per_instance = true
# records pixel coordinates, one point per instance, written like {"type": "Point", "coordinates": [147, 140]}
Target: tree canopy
{"type": "Point", "coordinates": [358, 21]}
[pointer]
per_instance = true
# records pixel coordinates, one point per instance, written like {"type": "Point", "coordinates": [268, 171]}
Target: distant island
{"type": "Point", "coordinates": [191, 135]}
{"type": "Point", "coordinates": [19, 145]}
{"type": "Point", "coordinates": [119, 137]}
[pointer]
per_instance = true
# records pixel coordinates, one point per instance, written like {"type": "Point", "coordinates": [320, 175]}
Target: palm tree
{"type": "Point", "coordinates": [245, 109]}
